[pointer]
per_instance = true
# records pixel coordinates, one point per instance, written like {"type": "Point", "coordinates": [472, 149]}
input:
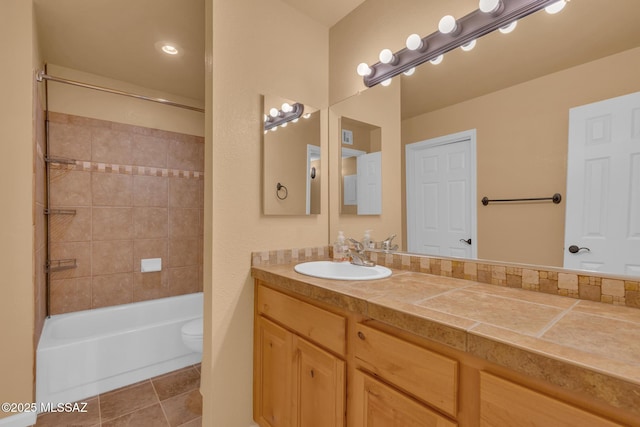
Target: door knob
{"type": "Point", "coordinates": [575, 249]}
{"type": "Point", "coordinates": [468, 241]}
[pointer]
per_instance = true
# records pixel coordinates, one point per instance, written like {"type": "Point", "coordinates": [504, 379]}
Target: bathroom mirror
{"type": "Point", "coordinates": [361, 168]}
{"type": "Point", "coordinates": [515, 91]}
{"type": "Point", "coordinates": [291, 158]}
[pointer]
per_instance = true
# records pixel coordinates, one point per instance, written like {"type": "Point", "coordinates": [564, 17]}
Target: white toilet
{"type": "Point", "coordinates": [192, 335]}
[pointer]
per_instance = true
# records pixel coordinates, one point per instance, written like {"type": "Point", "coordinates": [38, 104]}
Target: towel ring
{"type": "Point", "coordinates": [279, 188]}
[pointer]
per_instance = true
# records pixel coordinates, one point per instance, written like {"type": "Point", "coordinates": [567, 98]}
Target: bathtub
{"type": "Point", "coordinates": [89, 352]}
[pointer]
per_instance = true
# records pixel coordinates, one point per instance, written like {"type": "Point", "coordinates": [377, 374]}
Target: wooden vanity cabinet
{"type": "Point", "coordinates": [297, 381]}
{"type": "Point", "coordinates": [303, 359]}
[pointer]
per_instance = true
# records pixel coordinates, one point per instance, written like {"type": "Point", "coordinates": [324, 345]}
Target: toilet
{"type": "Point", "coordinates": [192, 335]}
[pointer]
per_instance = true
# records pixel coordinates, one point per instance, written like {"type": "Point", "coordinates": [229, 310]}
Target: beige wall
{"type": "Point", "coordinates": [246, 63]}
{"type": "Point", "coordinates": [16, 187]}
{"type": "Point", "coordinates": [522, 152]}
{"type": "Point", "coordinates": [64, 98]}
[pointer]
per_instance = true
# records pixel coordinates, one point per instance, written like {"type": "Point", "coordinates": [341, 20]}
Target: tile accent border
{"type": "Point", "coordinates": [603, 288]}
{"type": "Point", "coordinates": [82, 166]}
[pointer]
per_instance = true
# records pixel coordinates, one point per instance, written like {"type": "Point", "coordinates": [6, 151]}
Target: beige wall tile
{"type": "Point", "coordinates": [70, 188]}
{"type": "Point", "coordinates": [185, 154]}
{"type": "Point", "coordinates": [185, 193]}
{"type": "Point", "coordinates": [69, 141]}
{"type": "Point", "coordinates": [148, 286]}
{"type": "Point", "coordinates": [183, 280]}
{"type": "Point", "coordinates": [71, 228]}
{"type": "Point", "coordinates": [112, 256]}
{"type": "Point", "coordinates": [110, 146]}
{"type": "Point", "coordinates": [183, 252]}
{"type": "Point", "coordinates": [149, 151]}
{"type": "Point", "coordinates": [112, 224]}
{"type": "Point", "coordinates": [70, 295]}
{"type": "Point", "coordinates": [110, 189]}
{"type": "Point", "coordinates": [81, 251]}
{"type": "Point", "coordinates": [112, 289]}
{"type": "Point", "coordinates": [184, 223]}
{"type": "Point", "coordinates": [150, 223]}
{"type": "Point", "coordinates": [150, 191]}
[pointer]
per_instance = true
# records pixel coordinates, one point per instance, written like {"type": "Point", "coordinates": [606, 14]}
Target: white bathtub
{"type": "Point", "coordinates": [89, 352]}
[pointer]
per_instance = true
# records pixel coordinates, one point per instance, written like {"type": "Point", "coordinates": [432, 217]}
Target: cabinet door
{"type": "Point", "coordinates": [378, 405]}
{"type": "Point", "coordinates": [272, 374]}
{"type": "Point", "coordinates": [503, 403]}
{"type": "Point", "coordinates": [318, 386]}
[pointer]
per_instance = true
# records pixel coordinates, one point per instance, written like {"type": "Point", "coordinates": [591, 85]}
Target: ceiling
{"type": "Point", "coordinates": [541, 44]}
{"type": "Point", "coordinates": [116, 38]}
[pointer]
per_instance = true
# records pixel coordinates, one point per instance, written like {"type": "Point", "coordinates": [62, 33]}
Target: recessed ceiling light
{"type": "Point", "coordinates": [171, 50]}
{"type": "Point", "coordinates": [168, 48]}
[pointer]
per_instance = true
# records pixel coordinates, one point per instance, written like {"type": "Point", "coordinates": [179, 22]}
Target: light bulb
{"type": "Point", "coordinates": [469, 46]}
{"type": "Point", "coordinates": [414, 42]}
{"type": "Point", "coordinates": [509, 28]}
{"type": "Point", "coordinates": [555, 7]}
{"type": "Point", "coordinates": [386, 82]}
{"type": "Point", "coordinates": [386, 56]}
{"type": "Point", "coordinates": [284, 125]}
{"type": "Point", "coordinates": [447, 24]}
{"type": "Point", "coordinates": [489, 6]}
{"type": "Point", "coordinates": [410, 71]}
{"type": "Point", "coordinates": [363, 69]}
{"type": "Point", "coordinates": [274, 112]}
{"type": "Point", "coordinates": [275, 128]}
{"type": "Point", "coordinates": [169, 49]}
{"type": "Point", "coordinates": [306, 116]}
{"type": "Point", "coordinates": [287, 108]}
{"type": "Point", "coordinates": [266, 118]}
{"type": "Point", "coordinates": [436, 61]}
{"type": "Point", "coordinates": [295, 120]}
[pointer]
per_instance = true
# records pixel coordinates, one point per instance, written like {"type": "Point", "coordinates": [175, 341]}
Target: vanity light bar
{"type": "Point", "coordinates": [465, 30]}
{"type": "Point", "coordinates": [293, 112]}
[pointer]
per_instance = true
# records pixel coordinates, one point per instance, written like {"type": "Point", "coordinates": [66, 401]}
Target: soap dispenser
{"type": "Point", "coordinates": [367, 243]}
{"type": "Point", "coordinates": [339, 249]}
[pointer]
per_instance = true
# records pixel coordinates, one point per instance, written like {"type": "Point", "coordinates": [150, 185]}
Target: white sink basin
{"type": "Point", "coordinates": [342, 270]}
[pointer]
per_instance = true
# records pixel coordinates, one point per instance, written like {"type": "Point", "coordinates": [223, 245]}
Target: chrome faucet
{"type": "Point", "coordinates": [358, 255]}
{"type": "Point", "coordinates": [386, 244]}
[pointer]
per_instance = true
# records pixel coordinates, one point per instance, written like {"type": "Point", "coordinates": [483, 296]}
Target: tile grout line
{"type": "Point", "coordinates": [556, 319]}
{"type": "Point", "coordinates": [160, 402]}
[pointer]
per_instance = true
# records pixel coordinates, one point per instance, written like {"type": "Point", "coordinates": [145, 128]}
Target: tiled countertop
{"type": "Point", "coordinates": [585, 346]}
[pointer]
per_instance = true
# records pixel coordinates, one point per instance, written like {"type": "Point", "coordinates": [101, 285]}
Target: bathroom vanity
{"type": "Point", "coordinates": [419, 349]}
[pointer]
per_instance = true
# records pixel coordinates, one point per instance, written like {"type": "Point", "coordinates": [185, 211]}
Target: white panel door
{"type": "Point", "coordinates": [369, 184]}
{"type": "Point", "coordinates": [603, 187]}
{"type": "Point", "coordinates": [440, 196]}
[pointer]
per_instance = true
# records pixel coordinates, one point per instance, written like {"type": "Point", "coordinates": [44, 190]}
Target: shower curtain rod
{"type": "Point", "coordinates": [43, 76]}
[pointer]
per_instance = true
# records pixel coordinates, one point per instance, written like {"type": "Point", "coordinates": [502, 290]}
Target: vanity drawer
{"type": "Point", "coordinates": [428, 376]}
{"type": "Point", "coordinates": [503, 402]}
{"type": "Point", "coordinates": [320, 326]}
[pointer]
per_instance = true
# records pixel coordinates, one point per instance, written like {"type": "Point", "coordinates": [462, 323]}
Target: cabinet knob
{"type": "Point", "coordinates": [313, 374]}
{"type": "Point", "coordinates": [361, 335]}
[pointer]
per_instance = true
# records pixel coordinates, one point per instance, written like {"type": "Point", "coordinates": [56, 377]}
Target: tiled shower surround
{"type": "Point", "coordinates": [138, 193]}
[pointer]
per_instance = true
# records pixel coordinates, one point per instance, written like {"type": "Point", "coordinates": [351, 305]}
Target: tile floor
{"type": "Point", "coordinates": [170, 400]}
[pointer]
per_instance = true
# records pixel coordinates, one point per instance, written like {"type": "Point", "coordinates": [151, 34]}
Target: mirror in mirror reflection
{"type": "Point", "coordinates": [361, 166]}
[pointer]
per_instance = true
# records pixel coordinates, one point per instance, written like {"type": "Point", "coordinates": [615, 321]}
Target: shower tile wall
{"type": "Point", "coordinates": [138, 193]}
{"type": "Point", "coordinates": [40, 221]}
